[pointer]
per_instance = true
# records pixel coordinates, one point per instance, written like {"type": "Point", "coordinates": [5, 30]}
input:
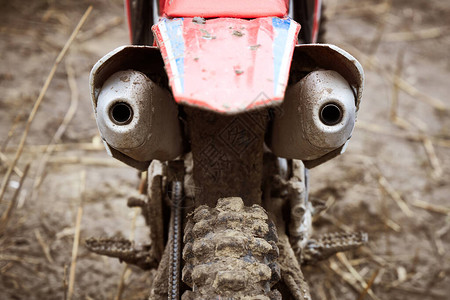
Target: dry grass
{"type": "Point", "coordinates": [38, 102]}
{"type": "Point", "coordinates": [400, 206]}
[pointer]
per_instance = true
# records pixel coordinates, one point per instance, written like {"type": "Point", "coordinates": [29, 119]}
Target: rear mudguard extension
{"type": "Point", "coordinates": [227, 65]}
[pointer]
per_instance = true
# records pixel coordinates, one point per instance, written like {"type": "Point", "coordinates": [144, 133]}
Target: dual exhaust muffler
{"type": "Point", "coordinates": [316, 117]}
{"type": "Point", "coordinates": [138, 119]}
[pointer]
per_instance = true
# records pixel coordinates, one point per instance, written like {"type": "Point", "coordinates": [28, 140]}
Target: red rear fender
{"type": "Point", "coordinates": [227, 65]}
{"type": "Point", "coordinates": [225, 8]}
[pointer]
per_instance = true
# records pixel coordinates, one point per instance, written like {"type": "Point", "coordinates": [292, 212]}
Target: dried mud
{"type": "Point", "coordinates": [392, 182]}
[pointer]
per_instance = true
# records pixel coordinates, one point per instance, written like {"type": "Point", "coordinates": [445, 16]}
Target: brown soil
{"type": "Point", "coordinates": [407, 160]}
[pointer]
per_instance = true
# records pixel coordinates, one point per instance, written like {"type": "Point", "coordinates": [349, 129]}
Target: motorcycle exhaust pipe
{"type": "Point", "coordinates": [317, 116]}
{"type": "Point", "coordinates": [138, 118]}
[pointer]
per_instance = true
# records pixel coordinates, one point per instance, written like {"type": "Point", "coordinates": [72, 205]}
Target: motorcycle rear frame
{"type": "Point", "coordinates": [284, 182]}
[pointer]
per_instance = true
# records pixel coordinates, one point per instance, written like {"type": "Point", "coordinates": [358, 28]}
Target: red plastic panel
{"type": "Point", "coordinates": [226, 8]}
{"type": "Point", "coordinates": [227, 65]}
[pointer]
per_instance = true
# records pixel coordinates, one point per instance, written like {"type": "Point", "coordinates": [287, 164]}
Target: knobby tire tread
{"type": "Point", "coordinates": [230, 252]}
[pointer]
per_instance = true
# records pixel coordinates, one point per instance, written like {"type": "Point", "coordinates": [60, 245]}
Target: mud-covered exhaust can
{"type": "Point", "coordinates": [138, 118]}
{"type": "Point", "coordinates": [317, 116]}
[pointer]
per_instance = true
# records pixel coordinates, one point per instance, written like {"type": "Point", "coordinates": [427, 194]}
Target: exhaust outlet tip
{"type": "Point", "coordinates": [121, 113]}
{"type": "Point", "coordinates": [331, 114]}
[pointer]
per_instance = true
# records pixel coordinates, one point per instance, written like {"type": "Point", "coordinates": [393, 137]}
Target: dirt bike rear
{"type": "Point", "coordinates": [224, 106]}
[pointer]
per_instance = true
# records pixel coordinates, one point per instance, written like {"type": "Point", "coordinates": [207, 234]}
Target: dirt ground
{"type": "Point", "coordinates": [393, 181]}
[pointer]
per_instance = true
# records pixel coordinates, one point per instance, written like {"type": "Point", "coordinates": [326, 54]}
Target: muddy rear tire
{"type": "Point", "coordinates": [230, 252]}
